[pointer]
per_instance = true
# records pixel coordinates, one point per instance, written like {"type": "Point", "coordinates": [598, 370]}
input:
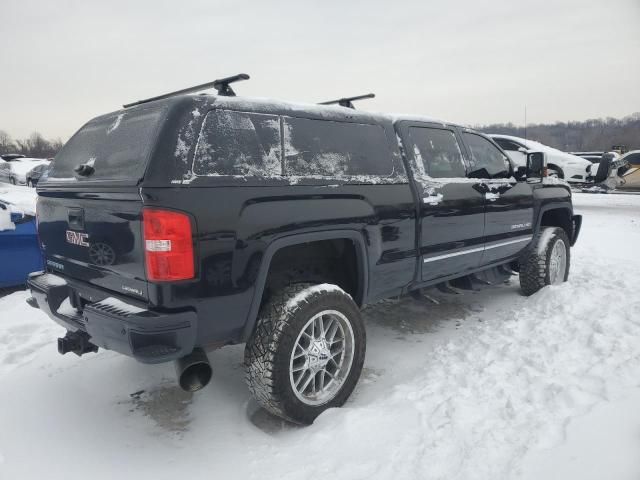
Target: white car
{"type": "Point", "coordinates": [561, 164]}
{"type": "Point", "coordinates": [15, 170]}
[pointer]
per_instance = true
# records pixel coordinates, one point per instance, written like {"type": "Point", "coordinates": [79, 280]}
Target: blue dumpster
{"type": "Point", "coordinates": [19, 250]}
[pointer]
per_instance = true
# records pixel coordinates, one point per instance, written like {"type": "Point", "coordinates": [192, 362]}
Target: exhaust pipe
{"type": "Point", "coordinates": [193, 371]}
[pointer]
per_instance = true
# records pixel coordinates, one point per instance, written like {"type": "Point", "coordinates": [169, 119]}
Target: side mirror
{"type": "Point", "coordinates": [536, 166]}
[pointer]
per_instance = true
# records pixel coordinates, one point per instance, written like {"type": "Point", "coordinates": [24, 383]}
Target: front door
{"type": "Point", "coordinates": [509, 204]}
{"type": "Point", "coordinates": [451, 205]}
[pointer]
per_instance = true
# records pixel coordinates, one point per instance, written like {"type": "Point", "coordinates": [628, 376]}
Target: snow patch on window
{"type": "Point", "coordinates": [186, 138]}
{"type": "Point", "coordinates": [115, 124]}
{"type": "Point", "coordinates": [491, 196]}
{"type": "Point", "coordinates": [238, 144]}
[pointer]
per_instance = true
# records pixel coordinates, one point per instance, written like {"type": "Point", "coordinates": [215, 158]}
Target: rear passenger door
{"type": "Point", "coordinates": [451, 222]}
{"type": "Point", "coordinates": [509, 204]}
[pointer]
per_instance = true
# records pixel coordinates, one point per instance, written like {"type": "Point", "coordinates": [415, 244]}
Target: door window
{"type": "Point", "coordinates": [487, 161]}
{"type": "Point", "coordinates": [437, 152]}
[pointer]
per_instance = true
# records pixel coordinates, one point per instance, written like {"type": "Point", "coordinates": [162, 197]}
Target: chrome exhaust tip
{"type": "Point", "coordinates": [193, 371]}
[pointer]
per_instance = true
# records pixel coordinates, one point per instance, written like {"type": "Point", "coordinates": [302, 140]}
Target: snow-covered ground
{"type": "Point", "coordinates": [485, 385]}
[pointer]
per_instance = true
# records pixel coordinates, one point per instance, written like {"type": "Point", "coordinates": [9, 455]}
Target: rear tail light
{"type": "Point", "coordinates": [168, 245]}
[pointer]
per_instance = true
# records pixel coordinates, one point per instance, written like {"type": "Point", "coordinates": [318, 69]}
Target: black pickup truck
{"type": "Point", "coordinates": [191, 222]}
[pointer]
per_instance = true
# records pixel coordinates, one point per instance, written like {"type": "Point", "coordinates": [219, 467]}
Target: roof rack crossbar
{"type": "Point", "coordinates": [222, 85]}
{"type": "Point", "coordinates": [348, 101]}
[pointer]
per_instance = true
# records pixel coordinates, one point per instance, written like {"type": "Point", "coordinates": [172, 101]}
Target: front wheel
{"type": "Point", "coordinates": [555, 171]}
{"type": "Point", "coordinates": [306, 352]}
{"type": "Point", "coordinates": [547, 262]}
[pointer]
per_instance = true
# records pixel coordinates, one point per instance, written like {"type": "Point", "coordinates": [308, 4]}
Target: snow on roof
{"type": "Point", "coordinates": [329, 111]}
{"type": "Point", "coordinates": [24, 165]}
{"type": "Point", "coordinates": [270, 104]}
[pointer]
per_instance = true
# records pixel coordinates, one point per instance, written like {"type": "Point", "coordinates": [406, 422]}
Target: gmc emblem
{"type": "Point", "coordinates": [77, 238]}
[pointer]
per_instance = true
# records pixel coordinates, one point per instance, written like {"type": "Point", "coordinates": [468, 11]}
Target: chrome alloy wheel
{"type": "Point", "coordinates": [558, 263]}
{"type": "Point", "coordinates": [321, 358]}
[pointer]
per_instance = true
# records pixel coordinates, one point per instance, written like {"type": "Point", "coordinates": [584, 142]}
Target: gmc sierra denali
{"type": "Point", "coordinates": [188, 222]}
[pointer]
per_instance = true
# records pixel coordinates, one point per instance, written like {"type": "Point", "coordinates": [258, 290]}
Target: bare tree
{"type": "Point", "coordinates": [6, 143]}
{"type": "Point", "coordinates": [594, 134]}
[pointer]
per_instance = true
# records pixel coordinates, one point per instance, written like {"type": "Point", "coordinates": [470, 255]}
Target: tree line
{"type": "Point", "coordinates": [599, 134]}
{"type": "Point", "coordinates": [35, 145]}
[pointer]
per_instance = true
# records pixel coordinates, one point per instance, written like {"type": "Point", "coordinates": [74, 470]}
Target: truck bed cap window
{"type": "Point", "coordinates": [335, 149]}
{"type": "Point", "coordinates": [116, 146]}
{"type": "Point", "coordinates": [239, 143]}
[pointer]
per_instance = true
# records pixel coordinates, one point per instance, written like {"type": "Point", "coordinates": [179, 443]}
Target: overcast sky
{"type": "Point", "coordinates": [469, 61]}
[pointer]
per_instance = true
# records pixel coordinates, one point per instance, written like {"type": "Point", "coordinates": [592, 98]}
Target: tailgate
{"type": "Point", "coordinates": [95, 237]}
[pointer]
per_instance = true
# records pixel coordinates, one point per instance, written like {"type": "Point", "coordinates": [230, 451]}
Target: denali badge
{"type": "Point", "coordinates": [57, 265]}
{"type": "Point", "coordinates": [520, 225]}
{"type": "Point", "coordinates": [77, 238]}
{"type": "Point", "coordinates": [132, 290]}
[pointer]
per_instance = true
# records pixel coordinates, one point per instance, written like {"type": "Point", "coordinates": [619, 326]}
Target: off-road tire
{"type": "Point", "coordinates": [267, 353]}
{"type": "Point", "coordinates": [534, 267]}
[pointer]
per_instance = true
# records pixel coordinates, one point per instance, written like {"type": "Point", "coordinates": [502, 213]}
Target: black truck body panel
{"type": "Point", "coordinates": [403, 234]}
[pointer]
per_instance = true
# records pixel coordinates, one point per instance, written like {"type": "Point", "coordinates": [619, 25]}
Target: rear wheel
{"type": "Point", "coordinates": [307, 351]}
{"type": "Point", "coordinates": [547, 262]}
{"type": "Point", "coordinates": [29, 183]}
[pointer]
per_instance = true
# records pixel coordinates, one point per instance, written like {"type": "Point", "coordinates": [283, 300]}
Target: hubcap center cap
{"type": "Point", "coordinates": [318, 355]}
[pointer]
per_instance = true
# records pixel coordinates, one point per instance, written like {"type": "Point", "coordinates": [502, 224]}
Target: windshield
{"type": "Point", "coordinates": [116, 146]}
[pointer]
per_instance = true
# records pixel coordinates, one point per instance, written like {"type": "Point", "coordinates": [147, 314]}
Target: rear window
{"type": "Point", "coordinates": [116, 146]}
{"type": "Point", "coordinates": [239, 143]}
{"type": "Point", "coordinates": [328, 148]}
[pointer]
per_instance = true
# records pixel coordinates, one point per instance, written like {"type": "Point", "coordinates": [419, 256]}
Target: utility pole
{"type": "Point", "coordinates": [525, 122]}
